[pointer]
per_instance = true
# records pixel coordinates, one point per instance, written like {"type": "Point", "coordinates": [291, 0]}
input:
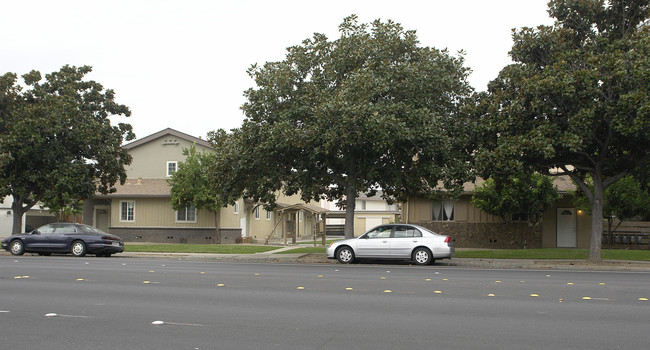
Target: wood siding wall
{"type": "Point", "coordinates": [420, 210]}
{"type": "Point", "coordinates": [157, 212]}
{"type": "Point", "coordinates": [150, 159]}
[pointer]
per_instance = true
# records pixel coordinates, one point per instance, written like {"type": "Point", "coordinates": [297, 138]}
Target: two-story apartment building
{"type": "Point", "coordinates": [140, 209]}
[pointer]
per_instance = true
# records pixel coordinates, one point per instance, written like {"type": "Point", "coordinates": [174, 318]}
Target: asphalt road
{"type": "Point", "coordinates": [125, 303]}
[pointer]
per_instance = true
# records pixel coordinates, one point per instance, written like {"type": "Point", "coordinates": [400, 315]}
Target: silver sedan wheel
{"type": "Point", "coordinates": [345, 255]}
{"type": "Point", "coordinates": [422, 256]}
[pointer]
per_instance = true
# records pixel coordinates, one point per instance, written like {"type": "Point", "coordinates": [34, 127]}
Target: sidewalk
{"type": "Point", "coordinates": [270, 257]}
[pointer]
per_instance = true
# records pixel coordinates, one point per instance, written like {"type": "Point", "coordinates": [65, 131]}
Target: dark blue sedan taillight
{"type": "Point", "coordinates": [110, 239]}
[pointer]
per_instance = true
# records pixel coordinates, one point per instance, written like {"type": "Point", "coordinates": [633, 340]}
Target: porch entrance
{"type": "Point", "coordinates": [566, 228]}
{"type": "Point", "coordinates": [101, 218]}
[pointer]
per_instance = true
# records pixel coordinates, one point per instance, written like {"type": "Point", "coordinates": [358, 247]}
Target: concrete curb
{"type": "Point", "coordinates": [313, 258]}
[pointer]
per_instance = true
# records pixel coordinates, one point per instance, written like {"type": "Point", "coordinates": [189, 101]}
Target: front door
{"type": "Point", "coordinates": [566, 228]}
{"type": "Point", "coordinates": [101, 219]}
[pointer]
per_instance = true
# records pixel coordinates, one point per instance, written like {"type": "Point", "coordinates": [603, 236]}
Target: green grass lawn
{"type": "Point", "coordinates": [199, 248]}
{"type": "Point", "coordinates": [573, 254]}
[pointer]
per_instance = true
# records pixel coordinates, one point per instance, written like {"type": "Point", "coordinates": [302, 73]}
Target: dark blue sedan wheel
{"type": "Point", "coordinates": [17, 247]}
{"type": "Point", "coordinates": [78, 248]}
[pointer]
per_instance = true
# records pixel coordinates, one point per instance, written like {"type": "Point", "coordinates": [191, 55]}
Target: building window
{"type": "Point", "coordinates": [187, 214]}
{"type": "Point", "coordinates": [235, 208]}
{"type": "Point", "coordinates": [172, 166]}
{"type": "Point", "coordinates": [127, 211]}
{"type": "Point", "coordinates": [257, 212]}
{"type": "Point", "coordinates": [300, 214]}
{"type": "Point", "coordinates": [268, 215]}
{"type": "Point", "coordinates": [443, 210]}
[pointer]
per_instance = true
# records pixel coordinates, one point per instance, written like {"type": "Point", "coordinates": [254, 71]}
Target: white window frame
{"type": "Point", "coordinates": [123, 217]}
{"type": "Point", "coordinates": [169, 174]}
{"type": "Point", "coordinates": [186, 210]}
{"type": "Point", "coordinates": [300, 215]}
{"type": "Point", "coordinates": [268, 215]}
{"type": "Point", "coordinates": [257, 212]}
{"type": "Point", "coordinates": [235, 208]}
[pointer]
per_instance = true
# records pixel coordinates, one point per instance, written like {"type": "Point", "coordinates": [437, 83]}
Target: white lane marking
{"type": "Point", "coordinates": [52, 314]}
{"type": "Point", "coordinates": [160, 323]}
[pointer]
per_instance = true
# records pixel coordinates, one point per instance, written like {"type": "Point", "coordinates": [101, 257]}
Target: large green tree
{"type": "Point", "coordinates": [575, 101]}
{"type": "Point", "coordinates": [372, 109]}
{"type": "Point", "coordinates": [57, 144]}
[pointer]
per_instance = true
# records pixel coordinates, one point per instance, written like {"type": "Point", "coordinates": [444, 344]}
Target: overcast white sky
{"type": "Point", "coordinates": [182, 63]}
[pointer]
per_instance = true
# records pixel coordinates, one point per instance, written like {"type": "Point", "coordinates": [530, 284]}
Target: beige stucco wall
{"type": "Point", "coordinates": [156, 212]}
{"type": "Point", "coordinates": [261, 228]}
{"type": "Point", "coordinates": [150, 159]}
{"type": "Point", "coordinates": [228, 218]}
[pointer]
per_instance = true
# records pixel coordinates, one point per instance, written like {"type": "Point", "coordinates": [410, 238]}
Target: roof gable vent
{"type": "Point", "coordinates": [170, 141]}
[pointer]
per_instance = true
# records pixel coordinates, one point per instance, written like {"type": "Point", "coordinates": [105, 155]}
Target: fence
{"type": "Point", "coordinates": [629, 235]}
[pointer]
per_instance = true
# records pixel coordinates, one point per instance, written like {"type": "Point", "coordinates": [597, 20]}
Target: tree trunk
{"type": "Point", "coordinates": [17, 213]}
{"type": "Point", "coordinates": [350, 205]}
{"type": "Point", "coordinates": [597, 206]}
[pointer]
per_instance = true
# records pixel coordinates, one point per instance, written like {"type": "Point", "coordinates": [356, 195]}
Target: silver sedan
{"type": "Point", "coordinates": [394, 241]}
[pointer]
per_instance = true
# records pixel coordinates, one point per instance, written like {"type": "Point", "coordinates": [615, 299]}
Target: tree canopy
{"type": "Point", "coordinates": [372, 109]}
{"type": "Point", "coordinates": [190, 184]}
{"type": "Point", "coordinates": [625, 199]}
{"type": "Point", "coordinates": [57, 144]}
{"type": "Point", "coordinates": [575, 101]}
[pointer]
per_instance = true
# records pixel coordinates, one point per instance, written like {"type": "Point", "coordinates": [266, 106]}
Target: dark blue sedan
{"type": "Point", "coordinates": [64, 238]}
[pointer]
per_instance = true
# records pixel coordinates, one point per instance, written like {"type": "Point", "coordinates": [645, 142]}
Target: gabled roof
{"type": "Point", "coordinates": [563, 183]}
{"type": "Point", "coordinates": [151, 188]}
{"type": "Point", "coordinates": [168, 131]}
